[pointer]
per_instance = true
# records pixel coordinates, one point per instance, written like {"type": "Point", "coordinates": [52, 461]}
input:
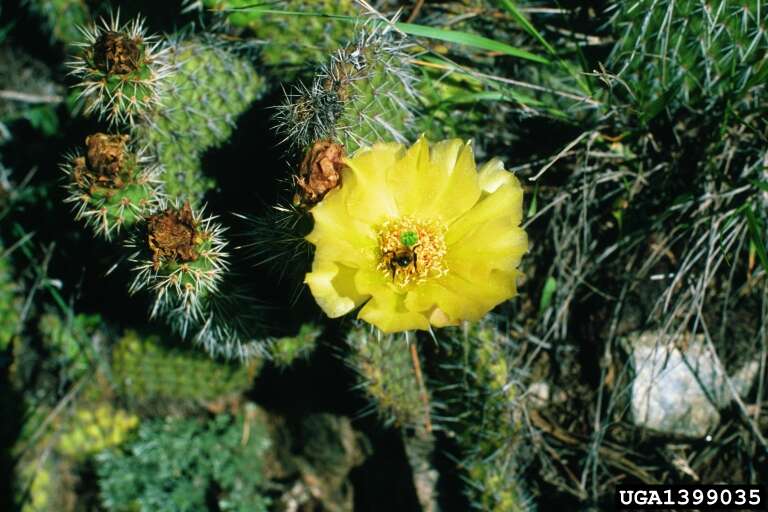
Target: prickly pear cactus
{"type": "Point", "coordinates": [71, 342]}
{"type": "Point", "coordinates": [285, 351]}
{"type": "Point", "coordinates": [93, 428]}
{"type": "Point", "coordinates": [385, 371]}
{"type": "Point", "coordinates": [292, 43]}
{"type": "Point", "coordinates": [45, 486]}
{"type": "Point", "coordinates": [476, 383]}
{"type": "Point", "coordinates": [204, 93]}
{"type": "Point", "coordinates": [364, 94]}
{"type": "Point", "coordinates": [145, 372]}
{"type": "Point", "coordinates": [688, 52]}
{"type": "Point", "coordinates": [112, 185]}
{"type": "Point", "coordinates": [180, 258]}
{"type": "Point", "coordinates": [181, 96]}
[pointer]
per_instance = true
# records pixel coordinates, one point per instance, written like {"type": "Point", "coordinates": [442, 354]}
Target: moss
{"type": "Point", "coordinates": [188, 464]}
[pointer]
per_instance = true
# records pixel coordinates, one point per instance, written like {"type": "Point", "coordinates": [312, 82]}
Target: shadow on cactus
{"type": "Point", "coordinates": [204, 91]}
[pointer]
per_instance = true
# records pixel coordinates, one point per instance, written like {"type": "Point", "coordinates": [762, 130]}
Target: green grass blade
{"type": "Point", "coordinates": [476, 97]}
{"type": "Point", "coordinates": [523, 21]}
{"type": "Point", "coordinates": [466, 39]}
{"type": "Point", "coordinates": [499, 92]}
{"type": "Point", "coordinates": [547, 293]}
{"type": "Point", "coordinates": [450, 36]}
{"type": "Point", "coordinates": [528, 27]}
{"type": "Point", "coordinates": [757, 239]}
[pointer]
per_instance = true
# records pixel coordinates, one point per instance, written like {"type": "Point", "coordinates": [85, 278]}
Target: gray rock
{"type": "Point", "coordinates": [680, 392]}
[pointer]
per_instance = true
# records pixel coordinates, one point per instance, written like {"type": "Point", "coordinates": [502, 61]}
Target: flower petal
{"type": "Point", "coordinates": [461, 190]}
{"type": "Point", "coordinates": [333, 287]}
{"type": "Point", "coordinates": [440, 182]}
{"type": "Point", "coordinates": [371, 281]}
{"type": "Point", "coordinates": [438, 318]}
{"type": "Point", "coordinates": [414, 179]}
{"type": "Point", "coordinates": [463, 299]}
{"type": "Point", "coordinates": [504, 202]}
{"type": "Point", "coordinates": [337, 237]}
{"type": "Point", "coordinates": [484, 242]}
{"type": "Point", "coordinates": [387, 311]}
{"type": "Point", "coordinates": [497, 244]}
{"type": "Point", "coordinates": [368, 197]}
{"type": "Point", "coordinates": [492, 175]}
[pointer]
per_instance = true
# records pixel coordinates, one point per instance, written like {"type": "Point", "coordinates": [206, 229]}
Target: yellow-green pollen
{"type": "Point", "coordinates": [411, 251]}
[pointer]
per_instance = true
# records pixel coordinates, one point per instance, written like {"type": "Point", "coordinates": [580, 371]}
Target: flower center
{"type": "Point", "coordinates": [411, 250]}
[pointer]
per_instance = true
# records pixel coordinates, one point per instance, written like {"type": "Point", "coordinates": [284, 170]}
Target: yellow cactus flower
{"type": "Point", "coordinates": [417, 236]}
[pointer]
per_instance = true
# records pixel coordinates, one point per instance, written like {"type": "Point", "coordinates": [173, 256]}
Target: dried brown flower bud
{"type": "Point", "coordinates": [319, 172]}
{"type": "Point", "coordinates": [116, 53]}
{"type": "Point", "coordinates": [103, 161]}
{"type": "Point", "coordinates": [173, 235]}
{"type": "Point", "coordinates": [106, 153]}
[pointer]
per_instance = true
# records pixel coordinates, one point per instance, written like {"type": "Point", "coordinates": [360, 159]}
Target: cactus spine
{"type": "Point", "coordinates": [690, 53]}
{"type": "Point", "coordinates": [480, 401]}
{"type": "Point", "coordinates": [181, 96]}
{"type": "Point", "coordinates": [363, 94]}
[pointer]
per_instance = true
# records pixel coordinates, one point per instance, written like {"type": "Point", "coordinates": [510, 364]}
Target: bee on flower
{"type": "Point", "coordinates": [417, 237]}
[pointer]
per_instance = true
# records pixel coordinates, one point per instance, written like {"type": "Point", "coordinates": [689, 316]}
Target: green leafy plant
{"type": "Point", "coordinates": [180, 464]}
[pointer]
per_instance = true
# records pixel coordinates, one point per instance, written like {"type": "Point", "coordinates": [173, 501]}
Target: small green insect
{"type": "Point", "coordinates": [409, 238]}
